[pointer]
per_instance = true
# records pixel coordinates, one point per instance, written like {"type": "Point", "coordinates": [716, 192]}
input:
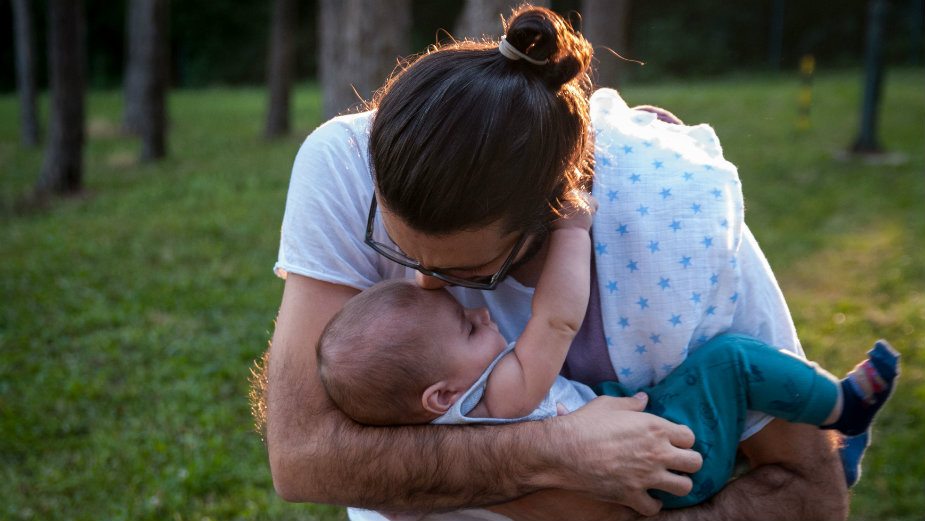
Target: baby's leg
{"type": "Point", "coordinates": [711, 391]}
{"type": "Point", "coordinates": [790, 388]}
{"type": "Point", "coordinates": [795, 390]}
{"type": "Point", "coordinates": [713, 388]}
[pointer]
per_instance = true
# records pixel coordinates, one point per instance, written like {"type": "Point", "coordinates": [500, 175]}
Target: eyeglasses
{"type": "Point", "coordinates": [395, 255]}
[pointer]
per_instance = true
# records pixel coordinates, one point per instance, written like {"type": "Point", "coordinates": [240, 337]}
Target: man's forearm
{"type": "Point", "coordinates": [419, 468]}
{"type": "Point", "coordinates": [436, 468]}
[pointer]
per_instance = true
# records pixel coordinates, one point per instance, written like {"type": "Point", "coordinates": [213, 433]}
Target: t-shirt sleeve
{"type": "Point", "coordinates": [324, 224]}
{"type": "Point", "coordinates": [761, 312]}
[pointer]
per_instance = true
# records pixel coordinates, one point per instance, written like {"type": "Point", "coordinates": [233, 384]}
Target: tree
{"type": "Point", "coordinates": [280, 66]}
{"type": "Point", "coordinates": [133, 76]}
{"type": "Point", "coordinates": [62, 170]}
{"type": "Point", "coordinates": [330, 58]}
{"type": "Point", "coordinates": [25, 72]}
{"type": "Point", "coordinates": [605, 23]}
{"type": "Point", "coordinates": [483, 17]}
{"type": "Point", "coordinates": [146, 76]}
{"type": "Point", "coordinates": [360, 42]}
{"type": "Point", "coordinates": [867, 142]}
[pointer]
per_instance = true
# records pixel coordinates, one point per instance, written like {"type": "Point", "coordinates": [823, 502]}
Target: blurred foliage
{"type": "Point", "coordinates": [225, 41]}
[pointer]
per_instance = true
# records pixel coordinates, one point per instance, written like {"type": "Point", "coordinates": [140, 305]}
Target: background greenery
{"type": "Point", "coordinates": [131, 315]}
{"type": "Point", "coordinates": [225, 41]}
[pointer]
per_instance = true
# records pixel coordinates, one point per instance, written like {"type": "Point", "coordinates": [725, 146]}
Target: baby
{"type": "Point", "coordinates": [399, 354]}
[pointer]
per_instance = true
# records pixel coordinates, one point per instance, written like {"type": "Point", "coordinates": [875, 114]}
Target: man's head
{"type": "Point", "coordinates": [400, 354]}
{"type": "Point", "coordinates": [466, 140]}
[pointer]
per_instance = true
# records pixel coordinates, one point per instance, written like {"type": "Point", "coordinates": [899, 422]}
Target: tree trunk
{"type": "Point", "coordinates": [867, 141]}
{"type": "Point", "coordinates": [25, 72]}
{"type": "Point", "coordinates": [153, 53]}
{"type": "Point", "coordinates": [280, 66]}
{"type": "Point", "coordinates": [330, 57]}
{"type": "Point", "coordinates": [360, 43]}
{"type": "Point", "coordinates": [62, 171]}
{"type": "Point", "coordinates": [605, 23]}
{"type": "Point", "coordinates": [133, 77]}
{"type": "Point", "coordinates": [483, 17]}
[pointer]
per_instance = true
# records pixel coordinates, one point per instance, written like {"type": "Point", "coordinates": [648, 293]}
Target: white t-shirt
{"type": "Point", "coordinates": [324, 227]}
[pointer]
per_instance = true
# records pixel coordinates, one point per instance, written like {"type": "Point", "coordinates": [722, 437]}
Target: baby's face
{"type": "Point", "coordinates": [470, 337]}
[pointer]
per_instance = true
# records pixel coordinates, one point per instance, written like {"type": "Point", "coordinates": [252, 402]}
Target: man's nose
{"type": "Point", "coordinates": [428, 282]}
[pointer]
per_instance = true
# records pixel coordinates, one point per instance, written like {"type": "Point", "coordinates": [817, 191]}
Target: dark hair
{"type": "Point", "coordinates": [464, 137]}
{"type": "Point", "coordinates": [377, 375]}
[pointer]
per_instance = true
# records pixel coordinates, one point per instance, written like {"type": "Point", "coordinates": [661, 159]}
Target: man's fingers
{"type": "Point", "coordinates": [675, 484]}
{"type": "Point", "coordinates": [683, 458]}
{"type": "Point", "coordinates": [681, 436]}
{"type": "Point", "coordinates": [688, 462]}
{"type": "Point", "coordinates": [634, 403]}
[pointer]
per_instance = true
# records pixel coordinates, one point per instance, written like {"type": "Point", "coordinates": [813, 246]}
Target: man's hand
{"type": "Point", "coordinates": [618, 453]}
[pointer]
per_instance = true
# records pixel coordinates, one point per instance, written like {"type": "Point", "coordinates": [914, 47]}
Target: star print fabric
{"type": "Point", "coordinates": [665, 238]}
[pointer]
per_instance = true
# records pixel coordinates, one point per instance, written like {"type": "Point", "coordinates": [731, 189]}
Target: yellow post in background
{"type": "Point", "coordinates": [805, 99]}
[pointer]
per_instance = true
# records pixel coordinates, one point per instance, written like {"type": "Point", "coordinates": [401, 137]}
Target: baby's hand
{"type": "Point", "coordinates": [578, 213]}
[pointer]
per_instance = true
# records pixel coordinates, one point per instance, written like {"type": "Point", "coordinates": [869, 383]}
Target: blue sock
{"type": "Point", "coordinates": [866, 388]}
{"type": "Point", "coordinates": [852, 452]}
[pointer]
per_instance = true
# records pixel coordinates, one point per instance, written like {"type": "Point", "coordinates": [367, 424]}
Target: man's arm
{"type": "Point", "coordinates": [317, 454]}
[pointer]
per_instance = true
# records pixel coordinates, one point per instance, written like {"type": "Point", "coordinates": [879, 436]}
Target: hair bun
{"type": "Point", "coordinates": [542, 34]}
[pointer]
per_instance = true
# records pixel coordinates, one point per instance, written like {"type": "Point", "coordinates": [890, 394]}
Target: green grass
{"type": "Point", "coordinates": [132, 314]}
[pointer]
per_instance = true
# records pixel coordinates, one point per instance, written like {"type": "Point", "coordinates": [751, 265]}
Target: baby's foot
{"type": "Point", "coordinates": [852, 453]}
{"type": "Point", "coordinates": [866, 388]}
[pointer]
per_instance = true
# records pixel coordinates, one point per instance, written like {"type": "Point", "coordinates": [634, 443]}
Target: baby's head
{"type": "Point", "coordinates": [400, 354]}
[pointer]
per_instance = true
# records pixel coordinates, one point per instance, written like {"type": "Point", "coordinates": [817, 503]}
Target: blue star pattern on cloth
{"type": "Point", "coordinates": [666, 235]}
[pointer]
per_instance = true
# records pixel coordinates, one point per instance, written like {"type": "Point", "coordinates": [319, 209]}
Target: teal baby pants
{"type": "Point", "coordinates": [711, 390]}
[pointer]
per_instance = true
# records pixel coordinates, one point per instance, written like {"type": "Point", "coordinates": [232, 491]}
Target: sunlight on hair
{"type": "Point", "coordinates": [257, 394]}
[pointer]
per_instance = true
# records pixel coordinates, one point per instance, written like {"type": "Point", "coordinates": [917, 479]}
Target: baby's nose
{"type": "Point", "coordinates": [483, 315]}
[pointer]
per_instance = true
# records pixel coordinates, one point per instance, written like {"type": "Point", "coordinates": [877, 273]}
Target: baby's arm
{"type": "Point", "coordinates": [521, 380]}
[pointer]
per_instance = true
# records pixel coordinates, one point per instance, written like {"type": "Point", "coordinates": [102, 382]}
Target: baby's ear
{"type": "Point", "coordinates": [439, 397]}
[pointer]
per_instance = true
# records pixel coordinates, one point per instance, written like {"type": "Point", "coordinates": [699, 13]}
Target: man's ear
{"type": "Point", "coordinates": [439, 397]}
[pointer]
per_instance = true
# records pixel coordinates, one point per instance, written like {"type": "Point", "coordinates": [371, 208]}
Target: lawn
{"type": "Point", "coordinates": [132, 314]}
